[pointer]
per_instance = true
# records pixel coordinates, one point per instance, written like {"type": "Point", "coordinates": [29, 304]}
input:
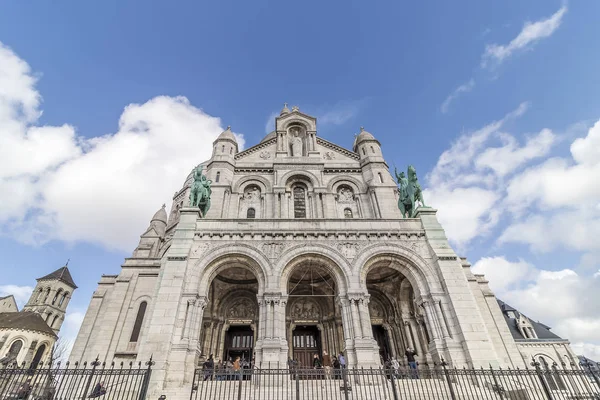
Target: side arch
{"type": "Point", "coordinates": [222, 257]}
{"type": "Point", "coordinates": [420, 274]}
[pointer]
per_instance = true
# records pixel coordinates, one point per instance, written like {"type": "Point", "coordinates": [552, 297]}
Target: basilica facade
{"type": "Point", "coordinates": [302, 249]}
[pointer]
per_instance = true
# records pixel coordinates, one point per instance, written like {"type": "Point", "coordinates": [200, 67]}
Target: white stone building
{"type": "Point", "coordinates": [304, 249]}
{"type": "Point", "coordinates": [28, 336]}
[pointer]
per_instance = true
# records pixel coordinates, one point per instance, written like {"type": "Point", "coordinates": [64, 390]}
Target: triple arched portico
{"type": "Point", "coordinates": [274, 301]}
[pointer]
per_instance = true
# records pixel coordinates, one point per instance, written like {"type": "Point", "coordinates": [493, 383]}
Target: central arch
{"type": "Point", "coordinates": [312, 284]}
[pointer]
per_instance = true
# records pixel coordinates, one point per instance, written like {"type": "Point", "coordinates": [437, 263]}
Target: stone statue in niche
{"type": "Point", "coordinates": [252, 193]}
{"type": "Point", "coordinates": [305, 309]}
{"type": "Point", "coordinates": [345, 195]}
{"type": "Point", "coordinates": [243, 308]}
{"type": "Point", "coordinates": [296, 142]}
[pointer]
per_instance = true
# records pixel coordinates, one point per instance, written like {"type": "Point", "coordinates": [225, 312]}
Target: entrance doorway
{"type": "Point", "coordinates": [239, 342]}
{"type": "Point", "coordinates": [306, 342]}
{"type": "Point", "coordinates": [381, 337]}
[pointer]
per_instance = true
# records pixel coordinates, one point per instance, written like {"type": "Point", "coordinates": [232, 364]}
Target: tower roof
{"type": "Point", "coordinates": [61, 274]}
{"type": "Point", "coordinates": [362, 136]}
{"type": "Point", "coordinates": [160, 215]}
{"type": "Point", "coordinates": [227, 135]}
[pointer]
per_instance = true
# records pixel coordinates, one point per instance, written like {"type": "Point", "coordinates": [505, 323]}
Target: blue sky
{"type": "Point", "coordinates": [502, 93]}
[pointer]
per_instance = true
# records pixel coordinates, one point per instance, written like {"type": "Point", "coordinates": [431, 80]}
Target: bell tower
{"type": "Point", "coordinates": [51, 296]}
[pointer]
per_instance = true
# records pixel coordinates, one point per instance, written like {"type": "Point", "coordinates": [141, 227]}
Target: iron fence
{"type": "Point", "coordinates": [437, 382]}
{"type": "Point", "coordinates": [75, 381]}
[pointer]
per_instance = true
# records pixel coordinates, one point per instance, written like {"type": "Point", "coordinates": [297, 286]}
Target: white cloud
{"type": "Point", "coordinates": [464, 88]}
{"type": "Point", "coordinates": [465, 196]}
{"type": "Point", "coordinates": [563, 300]}
{"type": "Point", "coordinates": [564, 196]}
{"type": "Point", "coordinates": [510, 156]}
{"type": "Point", "coordinates": [463, 220]}
{"type": "Point", "coordinates": [21, 293]}
{"type": "Point", "coordinates": [55, 185]}
{"type": "Point", "coordinates": [586, 150]}
{"type": "Point", "coordinates": [531, 33]}
{"type": "Point", "coordinates": [460, 155]}
{"type": "Point", "coordinates": [502, 273]}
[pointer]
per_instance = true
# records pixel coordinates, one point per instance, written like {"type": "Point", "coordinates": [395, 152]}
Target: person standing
{"type": "Point", "coordinates": [327, 364]}
{"type": "Point", "coordinates": [342, 360]}
{"type": "Point", "coordinates": [237, 369]}
{"type": "Point", "coordinates": [410, 357]}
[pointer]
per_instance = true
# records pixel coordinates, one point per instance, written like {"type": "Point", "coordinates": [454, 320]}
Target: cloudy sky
{"type": "Point", "coordinates": [105, 107]}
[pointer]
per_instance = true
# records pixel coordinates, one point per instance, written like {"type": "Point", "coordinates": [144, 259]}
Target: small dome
{"type": "Point", "coordinates": [270, 136]}
{"type": "Point", "coordinates": [227, 134]}
{"type": "Point", "coordinates": [284, 110]}
{"type": "Point", "coordinates": [362, 136]}
{"type": "Point", "coordinates": [160, 215]}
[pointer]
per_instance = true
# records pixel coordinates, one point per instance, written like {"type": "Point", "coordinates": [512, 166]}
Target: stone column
{"type": "Point", "coordinates": [440, 317]}
{"type": "Point", "coordinates": [355, 318]}
{"type": "Point", "coordinates": [363, 308]}
{"type": "Point", "coordinates": [431, 320]}
{"type": "Point", "coordinates": [409, 338]}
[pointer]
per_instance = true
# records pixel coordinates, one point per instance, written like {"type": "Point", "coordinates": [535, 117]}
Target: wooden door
{"type": "Point", "coordinates": [306, 343]}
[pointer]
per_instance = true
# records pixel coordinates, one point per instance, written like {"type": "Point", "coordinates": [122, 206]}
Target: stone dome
{"type": "Point", "coordinates": [362, 136]}
{"type": "Point", "coordinates": [227, 135]}
{"type": "Point", "coordinates": [160, 215]}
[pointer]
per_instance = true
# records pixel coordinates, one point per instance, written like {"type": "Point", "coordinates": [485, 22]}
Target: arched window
{"type": "Point", "coordinates": [251, 213]}
{"type": "Point", "coordinates": [364, 152]}
{"type": "Point", "coordinates": [48, 317]}
{"type": "Point", "coordinates": [380, 177]}
{"type": "Point", "coordinates": [15, 348]}
{"type": "Point", "coordinates": [38, 356]}
{"type": "Point", "coordinates": [56, 296]}
{"type": "Point", "coordinates": [223, 149]}
{"type": "Point", "coordinates": [52, 325]}
{"type": "Point", "coordinates": [552, 377]}
{"type": "Point", "coordinates": [137, 326]}
{"type": "Point", "coordinates": [39, 296]}
{"type": "Point", "coordinates": [63, 298]}
{"type": "Point", "coordinates": [230, 150]}
{"type": "Point", "coordinates": [372, 149]}
{"type": "Point", "coordinates": [218, 177]}
{"type": "Point", "coordinates": [299, 202]}
{"type": "Point", "coordinates": [347, 213]}
{"type": "Point", "coordinates": [47, 295]}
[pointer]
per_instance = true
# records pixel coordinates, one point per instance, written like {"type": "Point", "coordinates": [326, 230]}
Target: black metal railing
{"type": "Point", "coordinates": [106, 381]}
{"type": "Point", "coordinates": [437, 382]}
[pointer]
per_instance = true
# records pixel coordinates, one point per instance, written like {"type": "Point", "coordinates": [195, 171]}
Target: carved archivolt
{"type": "Point", "coordinates": [242, 308]}
{"type": "Point", "coordinates": [305, 309]}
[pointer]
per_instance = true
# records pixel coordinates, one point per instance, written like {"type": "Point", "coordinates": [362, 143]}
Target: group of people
{"type": "Point", "coordinates": [228, 370]}
{"type": "Point", "coordinates": [393, 366]}
{"type": "Point", "coordinates": [331, 365]}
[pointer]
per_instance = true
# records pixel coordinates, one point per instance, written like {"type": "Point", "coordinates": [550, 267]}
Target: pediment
{"type": "Point", "coordinates": [263, 152]}
{"type": "Point", "coordinates": [334, 153]}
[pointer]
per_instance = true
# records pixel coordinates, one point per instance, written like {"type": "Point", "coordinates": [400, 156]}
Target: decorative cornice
{"type": "Point", "coordinates": [447, 258]}
{"type": "Point", "coordinates": [317, 235]}
{"type": "Point", "coordinates": [342, 171]}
